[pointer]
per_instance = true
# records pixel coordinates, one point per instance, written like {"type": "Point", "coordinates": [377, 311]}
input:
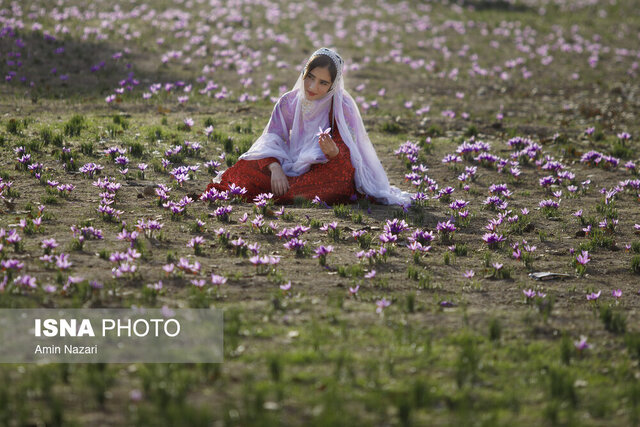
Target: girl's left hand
{"type": "Point", "coordinates": [328, 146]}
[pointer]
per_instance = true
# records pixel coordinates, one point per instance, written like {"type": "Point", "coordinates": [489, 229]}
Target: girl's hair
{"type": "Point", "coordinates": [322, 61]}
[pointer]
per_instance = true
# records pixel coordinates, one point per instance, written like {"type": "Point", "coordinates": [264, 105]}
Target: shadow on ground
{"type": "Point", "coordinates": [41, 66]}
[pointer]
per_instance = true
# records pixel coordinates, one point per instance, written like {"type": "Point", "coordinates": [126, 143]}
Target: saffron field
{"type": "Point", "coordinates": [514, 123]}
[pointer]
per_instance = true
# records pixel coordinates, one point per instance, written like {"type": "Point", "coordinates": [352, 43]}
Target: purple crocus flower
{"type": "Point", "coordinates": [382, 304]}
{"type": "Point", "coordinates": [217, 280]}
{"type": "Point", "coordinates": [493, 239]}
{"type": "Point", "coordinates": [582, 344]}
{"type": "Point", "coordinates": [49, 244]}
{"type": "Point", "coordinates": [62, 261]}
{"type": "Point", "coordinates": [583, 258]}
{"type": "Point", "coordinates": [323, 251]}
{"type": "Point", "coordinates": [25, 281]}
{"type": "Point", "coordinates": [295, 244]}
{"type": "Point", "coordinates": [198, 283]}
{"type": "Point", "coordinates": [286, 287]}
{"type": "Point", "coordinates": [388, 238]}
{"type": "Point", "coordinates": [593, 296]}
{"type": "Point", "coordinates": [395, 226]}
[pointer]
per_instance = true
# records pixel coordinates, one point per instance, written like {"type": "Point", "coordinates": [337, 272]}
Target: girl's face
{"type": "Point", "coordinates": [317, 83]}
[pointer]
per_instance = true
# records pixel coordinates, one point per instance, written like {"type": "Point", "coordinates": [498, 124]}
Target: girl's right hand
{"type": "Point", "coordinates": [279, 182]}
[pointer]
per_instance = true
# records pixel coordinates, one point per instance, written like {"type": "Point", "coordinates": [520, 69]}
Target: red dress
{"type": "Point", "coordinates": [333, 182]}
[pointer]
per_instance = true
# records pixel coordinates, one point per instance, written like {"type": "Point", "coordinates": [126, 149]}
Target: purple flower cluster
{"type": "Point", "coordinates": [595, 158]}
{"type": "Point", "coordinates": [237, 191]}
{"type": "Point", "coordinates": [549, 204]}
{"type": "Point", "coordinates": [11, 265]}
{"type": "Point", "coordinates": [528, 154]}
{"type": "Point", "coordinates": [594, 296]}
{"type": "Point", "coordinates": [114, 152]}
{"type": "Point", "coordinates": [178, 208]}
{"type": "Point", "coordinates": [62, 261]}
{"type": "Point", "coordinates": [192, 147]}
{"type": "Point", "coordinates": [295, 244]}
{"type": "Point", "coordinates": [553, 165]}
{"type": "Point", "coordinates": [148, 227]}
{"type": "Point", "coordinates": [565, 176]}
{"type": "Point", "coordinates": [222, 213]}
{"type": "Point", "coordinates": [486, 159]}
{"type": "Point", "coordinates": [518, 142]}
{"type": "Point", "coordinates": [162, 191]}
{"type": "Point", "coordinates": [173, 152]}
{"type": "Point", "coordinates": [321, 252]}
{"type": "Point", "coordinates": [289, 233]}
{"type": "Point", "coordinates": [493, 239]}
{"type": "Point", "coordinates": [495, 203]}
{"type": "Point", "coordinates": [196, 242]}
{"type": "Point", "coordinates": [185, 266]}
{"type": "Point", "coordinates": [89, 233]}
{"type": "Point", "coordinates": [373, 255]}
{"type": "Point", "coordinates": [395, 226]}
{"type": "Point", "coordinates": [417, 246]}
{"type": "Point", "coordinates": [262, 200]}
{"type": "Point", "coordinates": [445, 230]}
{"type": "Point", "coordinates": [451, 159]}
{"type": "Point", "coordinates": [472, 147]}
{"type": "Point", "coordinates": [90, 169]}
{"type": "Point", "coordinates": [264, 263]}
{"type": "Point", "coordinates": [48, 245]}
{"type": "Point", "coordinates": [212, 195]}
{"type": "Point", "coordinates": [212, 166]}
{"type": "Point", "coordinates": [25, 282]}
{"type": "Point", "coordinates": [500, 190]}
{"type": "Point", "coordinates": [410, 149]}
{"type": "Point", "coordinates": [182, 173]}
{"type": "Point", "coordinates": [421, 236]}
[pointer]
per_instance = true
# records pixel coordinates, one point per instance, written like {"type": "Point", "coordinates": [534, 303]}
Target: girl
{"type": "Point", "coordinates": [315, 144]}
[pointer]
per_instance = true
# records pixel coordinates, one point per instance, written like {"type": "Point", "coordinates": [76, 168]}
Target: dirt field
{"type": "Point", "coordinates": [539, 102]}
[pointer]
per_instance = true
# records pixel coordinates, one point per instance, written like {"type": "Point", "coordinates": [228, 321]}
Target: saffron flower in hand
{"type": "Point", "coordinates": [323, 132]}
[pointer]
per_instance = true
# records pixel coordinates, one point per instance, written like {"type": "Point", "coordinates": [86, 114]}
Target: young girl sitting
{"type": "Point", "coordinates": [315, 144]}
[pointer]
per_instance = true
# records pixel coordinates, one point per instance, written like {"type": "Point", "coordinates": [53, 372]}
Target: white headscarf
{"type": "Point", "coordinates": [290, 136]}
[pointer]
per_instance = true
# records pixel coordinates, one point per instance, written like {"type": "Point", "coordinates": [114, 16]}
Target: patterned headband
{"type": "Point", "coordinates": [337, 59]}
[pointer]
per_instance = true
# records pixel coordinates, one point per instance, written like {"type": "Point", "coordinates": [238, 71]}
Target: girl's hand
{"type": "Point", "coordinates": [328, 146]}
{"type": "Point", "coordinates": [279, 182]}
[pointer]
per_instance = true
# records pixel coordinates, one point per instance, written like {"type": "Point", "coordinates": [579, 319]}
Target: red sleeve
{"type": "Point", "coordinates": [264, 163]}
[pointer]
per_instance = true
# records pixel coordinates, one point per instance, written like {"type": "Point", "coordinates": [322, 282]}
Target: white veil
{"type": "Point", "coordinates": [290, 135]}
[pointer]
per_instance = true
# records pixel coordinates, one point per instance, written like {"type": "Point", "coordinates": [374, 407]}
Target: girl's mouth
{"type": "Point", "coordinates": [311, 93]}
